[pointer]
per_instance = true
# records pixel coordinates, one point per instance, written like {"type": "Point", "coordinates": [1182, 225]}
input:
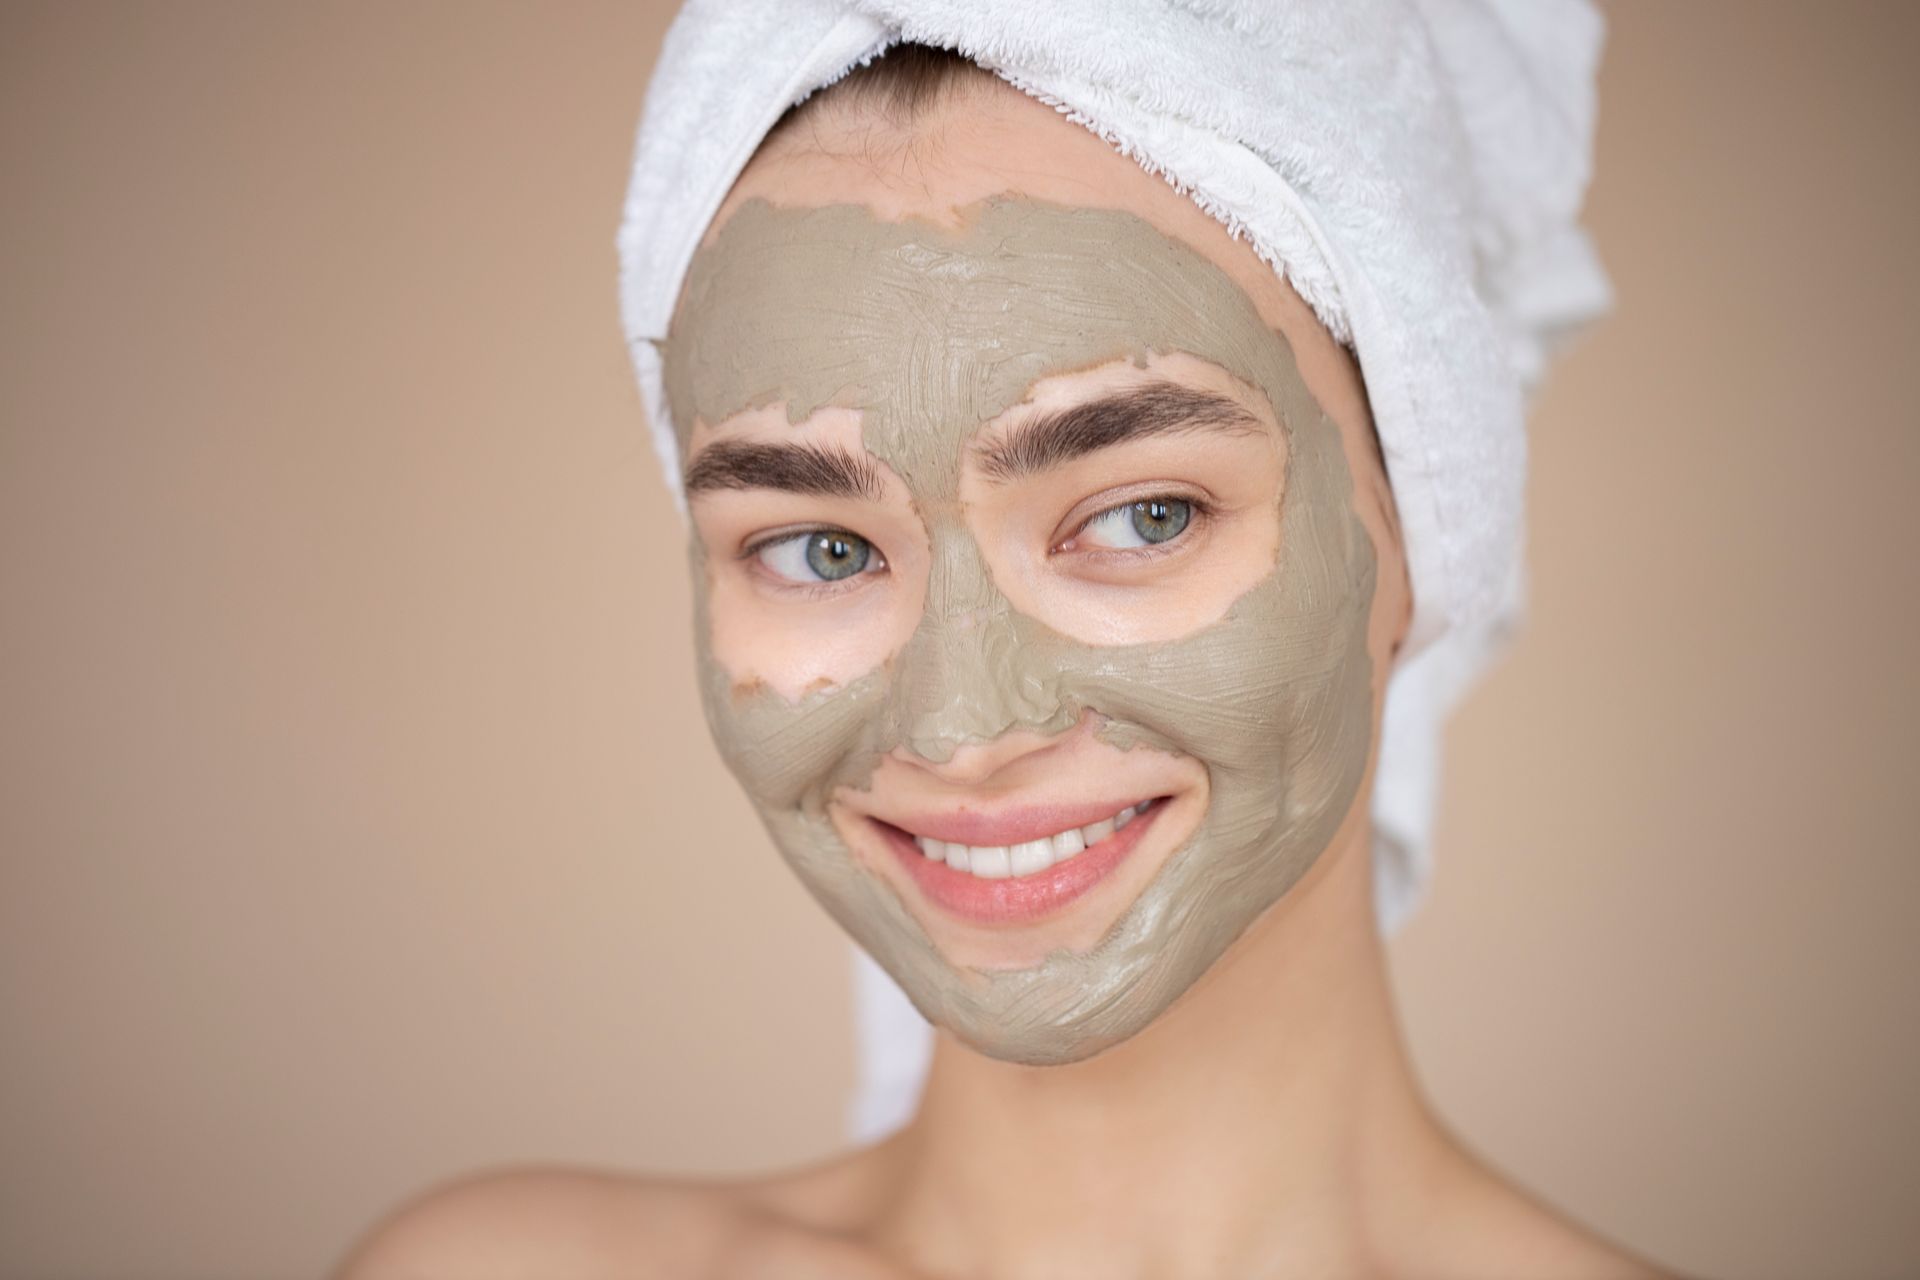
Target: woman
{"type": "Point", "coordinates": [1050, 579]}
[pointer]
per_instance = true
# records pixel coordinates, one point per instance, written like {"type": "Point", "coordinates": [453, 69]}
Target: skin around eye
{"type": "Point", "coordinates": [814, 557]}
{"type": "Point", "coordinates": [1142, 541]}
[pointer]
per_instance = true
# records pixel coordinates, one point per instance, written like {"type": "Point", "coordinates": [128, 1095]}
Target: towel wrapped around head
{"type": "Point", "coordinates": [1413, 168]}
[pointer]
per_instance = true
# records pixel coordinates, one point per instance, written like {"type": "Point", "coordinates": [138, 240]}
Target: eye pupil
{"type": "Point", "coordinates": [837, 555]}
{"type": "Point", "coordinates": [1158, 519]}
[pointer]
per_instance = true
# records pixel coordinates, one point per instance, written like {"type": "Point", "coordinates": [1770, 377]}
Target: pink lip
{"type": "Point", "coordinates": [1017, 899]}
{"type": "Point", "coordinates": [1011, 826]}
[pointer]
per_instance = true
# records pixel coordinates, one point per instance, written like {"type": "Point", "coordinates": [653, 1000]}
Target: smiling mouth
{"type": "Point", "coordinates": [998, 862]}
{"type": "Point", "coordinates": [1026, 880]}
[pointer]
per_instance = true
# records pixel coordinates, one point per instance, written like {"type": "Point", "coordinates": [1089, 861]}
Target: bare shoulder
{"type": "Point", "coordinates": [542, 1220]}
{"type": "Point", "coordinates": [1491, 1227]}
{"type": "Point", "coordinates": [584, 1224]}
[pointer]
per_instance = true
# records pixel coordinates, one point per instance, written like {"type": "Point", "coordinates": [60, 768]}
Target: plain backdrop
{"type": "Point", "coordinates": [359, 827]}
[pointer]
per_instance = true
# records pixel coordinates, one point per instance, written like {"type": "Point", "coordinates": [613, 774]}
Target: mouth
{"type": "Point", "coordinates": [1018, 867]}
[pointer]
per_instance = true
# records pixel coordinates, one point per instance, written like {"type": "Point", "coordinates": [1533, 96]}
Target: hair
{"type": "Point", "coordinates": [901, 84]}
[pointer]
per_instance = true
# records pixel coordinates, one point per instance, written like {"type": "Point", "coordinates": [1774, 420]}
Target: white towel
{"type": "Point", "coordinates": [1414, 168]}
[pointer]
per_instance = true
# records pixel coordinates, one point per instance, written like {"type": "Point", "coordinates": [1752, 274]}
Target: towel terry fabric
{"type": "Point", "coordinates": [1413, 168]}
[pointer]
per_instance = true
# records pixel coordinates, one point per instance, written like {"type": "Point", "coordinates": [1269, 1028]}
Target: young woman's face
{"type": "Point", "coordinates": [1037, 597]}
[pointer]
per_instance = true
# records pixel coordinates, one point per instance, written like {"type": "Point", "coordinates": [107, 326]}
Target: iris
{"type": "Point", "coordinates": [1159, 519]}
{"type": "Point", "coordinates": [836, 555]}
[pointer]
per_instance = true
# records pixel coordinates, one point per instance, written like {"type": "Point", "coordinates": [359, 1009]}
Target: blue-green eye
{"type": "Point", "coordinates": [820, 555]}
{"type": "Point", "coordinates": [1138, 524]}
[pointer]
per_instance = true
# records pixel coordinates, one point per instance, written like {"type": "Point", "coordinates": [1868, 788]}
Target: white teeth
{"type": "Point", "coordinates": [989, 864]}
{"type": "Point", "coordinates": [996, 862]}
{"type": "Point", "coordinates": [1031, 856]}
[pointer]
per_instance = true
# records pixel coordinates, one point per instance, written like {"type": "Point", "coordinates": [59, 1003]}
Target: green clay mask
{"type": "Point", "coordinates": [930, 333]}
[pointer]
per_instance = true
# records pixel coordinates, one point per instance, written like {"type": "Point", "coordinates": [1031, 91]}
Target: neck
{"type": "Point", "coordinates": [1268, 1122]}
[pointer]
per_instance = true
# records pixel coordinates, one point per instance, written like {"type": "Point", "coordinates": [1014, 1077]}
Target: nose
{"type": "Point", "coordinates": [972, 764]}
{"type": "Point", "coordinates": [967, 696]}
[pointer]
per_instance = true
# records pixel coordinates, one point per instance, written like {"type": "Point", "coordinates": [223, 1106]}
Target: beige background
{"type": "Point", "coordinates": [358, 825]}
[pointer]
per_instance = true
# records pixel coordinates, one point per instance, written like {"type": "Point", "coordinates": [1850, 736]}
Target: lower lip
{"type": "Point", "coordinates": [1017, 899]}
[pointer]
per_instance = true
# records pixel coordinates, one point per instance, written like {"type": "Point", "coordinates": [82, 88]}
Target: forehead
{"type": "Point", "coordinates": [933, 283]}
{"type": "Point", "coordinates": [931, 333]}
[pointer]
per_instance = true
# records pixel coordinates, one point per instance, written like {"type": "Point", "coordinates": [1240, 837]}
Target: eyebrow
{"type": "Point", "coordinates": [791, 468]}
{"type": "Point", "coordinates": [1058, 436]}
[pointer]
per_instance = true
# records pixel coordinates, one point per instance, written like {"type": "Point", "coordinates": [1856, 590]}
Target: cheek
{"type": "Point", "coordinates": [785, 749]}
{"type": "Point", "coordinates": [795, 645]}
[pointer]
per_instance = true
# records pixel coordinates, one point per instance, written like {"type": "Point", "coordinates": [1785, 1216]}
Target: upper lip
{"type": "Point", "coordinates": [1009, 825]}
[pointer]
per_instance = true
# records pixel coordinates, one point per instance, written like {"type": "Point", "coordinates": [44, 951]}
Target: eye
{"type": "Point", "coordinates": [1137, 524]}
{"type": "Point", "coordinates": [819, 555]}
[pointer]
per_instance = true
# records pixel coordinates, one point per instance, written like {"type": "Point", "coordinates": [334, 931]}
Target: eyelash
{"type": "Point", "coordinates": [1200, 513]}
{"type": "Point", "coordinates": [750, 555]}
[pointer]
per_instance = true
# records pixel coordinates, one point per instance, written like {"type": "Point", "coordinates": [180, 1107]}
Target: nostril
{"type": "Point", "coordinates": [972, 761]}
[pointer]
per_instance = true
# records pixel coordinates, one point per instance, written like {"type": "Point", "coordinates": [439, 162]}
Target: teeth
{"type": "Point", "coordinates": [1032, 856]}
{"type": "Point", "coordinates": [991, 862]}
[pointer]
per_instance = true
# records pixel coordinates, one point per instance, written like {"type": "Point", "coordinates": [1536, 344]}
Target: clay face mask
{"type": "Point", "coordinates": [929, 333]}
